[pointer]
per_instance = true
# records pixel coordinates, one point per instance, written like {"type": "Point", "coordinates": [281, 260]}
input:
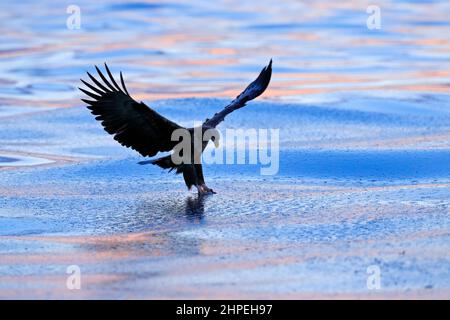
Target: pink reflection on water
{"type": "Point", "coordinates": [199, 49]}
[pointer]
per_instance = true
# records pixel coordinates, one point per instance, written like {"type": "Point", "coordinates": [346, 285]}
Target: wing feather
{"type": "Point", "coordinates": [123, 83]}
{"type": "Point", "coordinates": [253, 90]}
{"type": "Point", "coordinates": [133, 124]}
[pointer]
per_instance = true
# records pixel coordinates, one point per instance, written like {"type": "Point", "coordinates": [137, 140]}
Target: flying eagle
{"type": "Point", "coordinates": [135, 125]}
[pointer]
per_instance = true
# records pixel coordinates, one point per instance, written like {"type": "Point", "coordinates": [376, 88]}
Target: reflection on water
{"type": "Point", "coordinates": [163, 212]}
{"type": "Point", "coordinates": [195, 208]}
{"type": "Point", "coordinates": [204, 48]}
{"type": "Point", "coordinates": [4, 159]}
{"type": "Point", "coordinates": [20, 160]}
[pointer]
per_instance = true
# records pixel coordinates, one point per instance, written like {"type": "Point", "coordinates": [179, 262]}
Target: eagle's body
{"type": "Point", "coordinates": [139, 127]}
{"type": "Point", "coordinates": [192, 171]}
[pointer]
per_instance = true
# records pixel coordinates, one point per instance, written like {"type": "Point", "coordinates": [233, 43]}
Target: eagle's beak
{"type": "Point", "coordinates": [216, 142]}
{"type": "Point", "coordinates": [214, 135]}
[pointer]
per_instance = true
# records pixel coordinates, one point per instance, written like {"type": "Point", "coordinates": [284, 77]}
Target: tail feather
{"type": "Point", "coordinates": [188, 170]}
{"type": "Point", "coordinates": [145, 162]}
{"type": "Point", "coordinates": [165, 163]}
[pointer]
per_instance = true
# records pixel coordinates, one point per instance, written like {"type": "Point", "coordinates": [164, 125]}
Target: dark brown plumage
{"type": "Point", "coordinates": [135, 125]}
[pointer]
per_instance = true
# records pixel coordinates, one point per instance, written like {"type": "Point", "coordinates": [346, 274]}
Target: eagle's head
{"type": "Point", "coordinates": [211, 134]}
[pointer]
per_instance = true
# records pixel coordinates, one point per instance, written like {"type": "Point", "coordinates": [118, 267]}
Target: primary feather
{"type": "Point", "coordinates": [133, 124]}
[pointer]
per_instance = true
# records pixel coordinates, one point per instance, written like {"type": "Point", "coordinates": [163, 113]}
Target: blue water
{"type": "Point", "coordinates": [364, 170]}
{"type": "Point", "coordinates": [202, 48]}
{"type": "Point", "coordinates": [387, 166]}
{"type": "Point", "coordinates": [5, 159]}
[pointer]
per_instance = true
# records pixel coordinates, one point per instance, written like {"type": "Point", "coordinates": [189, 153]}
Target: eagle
{"type": "Point", "coordinates": [135, 125]}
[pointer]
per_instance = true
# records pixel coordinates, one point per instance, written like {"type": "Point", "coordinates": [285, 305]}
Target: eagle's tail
{"type": "Point", "coordinates": [165, 163]}
{"type": "Point", "coordinates": [188, 171]}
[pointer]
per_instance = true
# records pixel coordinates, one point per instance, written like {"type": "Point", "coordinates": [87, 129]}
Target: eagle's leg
{"type": "Point", "coordinates": [202, 187]}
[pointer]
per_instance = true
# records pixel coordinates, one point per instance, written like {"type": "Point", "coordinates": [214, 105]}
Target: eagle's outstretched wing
{"type": "Point", "coordinates": [133, 124]}
{"type": "Point", "coordinates": [254, 89]}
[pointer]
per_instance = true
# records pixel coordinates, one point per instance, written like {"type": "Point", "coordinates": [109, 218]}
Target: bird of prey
{"type": "Point", "coordinates": [135, 125]}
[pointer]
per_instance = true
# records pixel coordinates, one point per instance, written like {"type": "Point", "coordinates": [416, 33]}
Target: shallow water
{"type": "Point", "coordinates": [364, 176]}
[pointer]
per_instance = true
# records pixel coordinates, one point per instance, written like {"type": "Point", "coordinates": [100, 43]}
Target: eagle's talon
{"type": "Point", "coordinates": [203, 190]}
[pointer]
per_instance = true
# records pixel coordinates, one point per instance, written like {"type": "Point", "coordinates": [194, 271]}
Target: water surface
{"type": "Point", "coordinates": [364, 120]}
